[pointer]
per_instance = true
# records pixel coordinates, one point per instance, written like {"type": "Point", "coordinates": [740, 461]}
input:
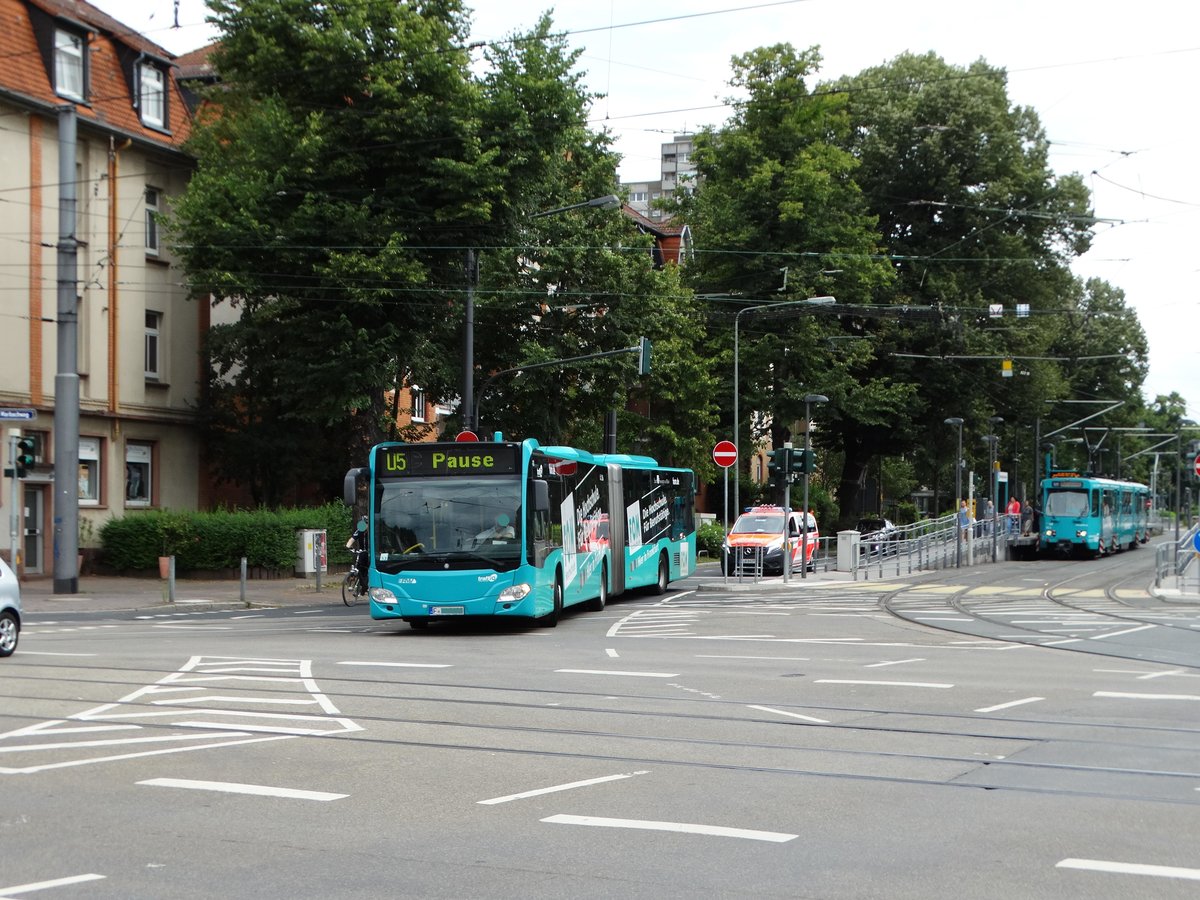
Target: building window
{"type": "Point", "coordinates": [152, 197]}
{"type": "Point", "coordinates": [153, 345]}
{"type": "Point", "coordinates": [137, 474]}
{"type": "Point", "coordinates": [68, 64]}
{"type": "Point", "coordinates": [89, 471]}
{"type": "Point", "coordinates": [152, 95]}
{"type": "Point", "coordinates": [637, 197]}
{"type": "Point", "coordinates": [418, 404]}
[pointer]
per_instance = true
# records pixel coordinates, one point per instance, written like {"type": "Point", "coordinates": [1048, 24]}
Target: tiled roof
{"type": "Point", "coordinates": [197, 63]}
{"type": "Point", "coordinates": [24, 73]}
{"type": "Point", "coordinates": [656, 226]}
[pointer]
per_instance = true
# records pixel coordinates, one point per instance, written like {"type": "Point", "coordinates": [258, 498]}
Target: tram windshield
{"type": "Point", "coordinates": [1067, 503]}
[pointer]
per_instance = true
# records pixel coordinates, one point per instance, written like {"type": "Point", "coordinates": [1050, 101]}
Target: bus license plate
{"type": "Point", "coordinates": [447, 611]}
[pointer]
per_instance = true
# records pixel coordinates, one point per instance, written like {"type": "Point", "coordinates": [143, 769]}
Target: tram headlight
{"type": "Point", "coordinates": [1081, 533]}
{"type": "Point", "coordinates": [515, 592]}
{"type": "Point", "coordinates": [1050, 532]}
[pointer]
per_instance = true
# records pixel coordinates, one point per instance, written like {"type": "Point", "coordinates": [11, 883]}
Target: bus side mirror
{"type": "Point", "coordinates": [541, 495]}
{"type": "Point", "coordinates": [350, 485]}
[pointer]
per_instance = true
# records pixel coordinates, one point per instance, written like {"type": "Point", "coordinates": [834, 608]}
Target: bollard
{"type": "Point", "coordinates": [242, 589]}
{"type": "Point", "coordinates": [171, 580]}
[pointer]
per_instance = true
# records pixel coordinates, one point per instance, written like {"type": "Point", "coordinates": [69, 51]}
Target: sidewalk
{"type": "Point", "coordinates": [103, 593]}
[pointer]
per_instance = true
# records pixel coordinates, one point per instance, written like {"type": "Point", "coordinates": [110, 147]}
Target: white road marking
{"type": "Point", "coordinates": [1125, 696]}
{"type": "Point", "coordinates": [559, 787]}
{"type": "Point", "coordinates": [229, 787]}
{"type": "Point", "coordinates": [684, 827]}
{"type": "Point", "coordinates": [613, 654]}
{"type": "Point", "coordinates": [211, 725]}
{"type": "Point", "coordinates": [928, 684]}
{"type": "Point", "coordinates": [615, 672]}
{"type": "Point", "coordinates": [782, 712]}
{"type": "Point", "coordinates": [399, 665]}
{"type": "Point", "coordinates": [1101, 637]}
{"type": "Point", "coordinates": [37, 653]}
{"type": "Point", "coordinates": [1009, 704]}
{"type": "Point", "coordinates": [780, 658]}
{"type": "Point", "coordinates": [1120, 868]}
{"type": "Point", "coordinates": [894, 662]}
{"type": "Point", "coordinates": [43, 885]}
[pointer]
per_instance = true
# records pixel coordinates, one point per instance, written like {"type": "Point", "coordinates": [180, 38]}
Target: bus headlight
{"type": "Point", "coordinates": [382, 595]}
{"type": "Point", "coordinates": [515, 592]}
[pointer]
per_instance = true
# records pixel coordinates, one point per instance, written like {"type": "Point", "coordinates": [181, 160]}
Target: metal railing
{"type": "Point", "coordinates": [1172, 558]}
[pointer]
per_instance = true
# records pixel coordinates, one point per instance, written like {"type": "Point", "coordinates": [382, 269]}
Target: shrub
{"type": "Point", "coordinates": [219, 539]}
{"type": "Point", "coordinates": [709, 537]}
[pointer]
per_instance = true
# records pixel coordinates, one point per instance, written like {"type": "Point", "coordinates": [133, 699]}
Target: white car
{"type": "Point", "coordinates": [10, 610]}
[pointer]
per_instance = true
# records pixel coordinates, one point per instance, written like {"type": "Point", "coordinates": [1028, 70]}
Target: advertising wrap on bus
{"type": "Point", "coordinates": [517, 529]}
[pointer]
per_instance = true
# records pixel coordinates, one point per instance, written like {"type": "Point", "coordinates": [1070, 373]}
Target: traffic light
{"type": "Point", "coordinates": [644, 356]}
{"type": "Point", "coordinates": [778, 461]}
{"type": "Point", "coordinates": [803, 462]}
{"type": "Point", "coordinates": [24, 460]}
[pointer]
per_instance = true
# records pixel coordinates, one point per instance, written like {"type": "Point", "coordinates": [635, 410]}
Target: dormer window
{"type": "Point", "coordinates": [69, 59]}
{"type": "Point", "coordinates": [152, 95]}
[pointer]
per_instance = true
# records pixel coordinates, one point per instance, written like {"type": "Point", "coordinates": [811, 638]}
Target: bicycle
{"type": "Point", "coordinates": [354, 586]}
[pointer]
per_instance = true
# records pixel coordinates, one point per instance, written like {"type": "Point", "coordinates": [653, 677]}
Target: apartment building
{"type": "Point", "coordinates": [676, 171]}
{"type": "Point", "coordinates": [138, 334]}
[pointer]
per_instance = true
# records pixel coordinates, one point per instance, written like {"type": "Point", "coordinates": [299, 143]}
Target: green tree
{"type": "Point", "coordinates": [348, 163]}
{"type": "Point", "coordinates": [972, 216]}
{"type": "Point", "coordinates": [779, 217]}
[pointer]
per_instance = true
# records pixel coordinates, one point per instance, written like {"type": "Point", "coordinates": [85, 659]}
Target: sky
{"type": "Point", "coordinates": [1114, 85]}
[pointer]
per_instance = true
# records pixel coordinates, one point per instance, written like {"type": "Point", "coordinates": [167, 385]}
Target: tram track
{"type": "Point", "coordinates": [1072, 617]}
{"type": "Point", "coordinates": [715, 753]}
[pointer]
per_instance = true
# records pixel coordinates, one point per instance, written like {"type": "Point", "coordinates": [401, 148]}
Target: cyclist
{"type": "Point", "coordinates": [357, 544]}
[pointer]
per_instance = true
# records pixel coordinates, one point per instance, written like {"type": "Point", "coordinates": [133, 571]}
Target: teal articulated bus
{"type": "Point", "coordinates": [515, 529]}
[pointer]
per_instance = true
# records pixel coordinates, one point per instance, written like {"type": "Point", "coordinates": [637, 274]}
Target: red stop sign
{"type": "Point", "coordinates": [466, 436]}
{"type": "Point", "coordinates": [1196, 464]}
{"type": "Point", "coordinates": [724, 454]}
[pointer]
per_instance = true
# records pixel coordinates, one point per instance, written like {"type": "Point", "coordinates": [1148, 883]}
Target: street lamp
{"type": "Point", "coordinates": [809, 301]}
{"type": "Point", "coordinates": [808, 399]}
{"type": "Point", "coordinates": [470, 420]}
{"type": "Point", "coordinates": [992, 440]}
{"type": "Point", "coordinates": [957, 423]}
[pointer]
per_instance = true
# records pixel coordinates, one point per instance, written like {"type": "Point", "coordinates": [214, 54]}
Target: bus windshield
{"type": "Point", "coordinates": [1066, 503]}
{"type": "Point", "coordinates": [462, 522]}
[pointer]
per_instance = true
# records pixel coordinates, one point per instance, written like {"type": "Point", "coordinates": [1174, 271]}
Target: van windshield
{"type": "Point", "coordinates": [759, 523]}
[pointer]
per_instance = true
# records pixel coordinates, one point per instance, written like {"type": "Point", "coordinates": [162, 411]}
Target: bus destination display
{"type": "Point", "coordinates": [424, 460]}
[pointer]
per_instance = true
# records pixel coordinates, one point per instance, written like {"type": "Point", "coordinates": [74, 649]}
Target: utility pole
{"type": "Point", "coordinates": [66, 379]}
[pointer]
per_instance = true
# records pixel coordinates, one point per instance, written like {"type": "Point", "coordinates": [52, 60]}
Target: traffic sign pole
{"type": "Point", "coordinates": [725, 454]}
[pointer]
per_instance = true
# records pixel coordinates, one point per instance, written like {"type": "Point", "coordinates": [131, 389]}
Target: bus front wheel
{"type": "Point", "coordinates": [550, 620]}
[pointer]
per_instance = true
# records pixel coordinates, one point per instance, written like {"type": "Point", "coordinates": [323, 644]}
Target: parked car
{"type": "Point", "coordinates": [760, 530]}
{"type": "Point", "coordinates": [10, 610]}
{"type": "Point", "coordinates": [879, 535]}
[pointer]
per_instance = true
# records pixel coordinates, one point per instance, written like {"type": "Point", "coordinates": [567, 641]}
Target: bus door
{"type": "Point", "coordinates": [538, 526]}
